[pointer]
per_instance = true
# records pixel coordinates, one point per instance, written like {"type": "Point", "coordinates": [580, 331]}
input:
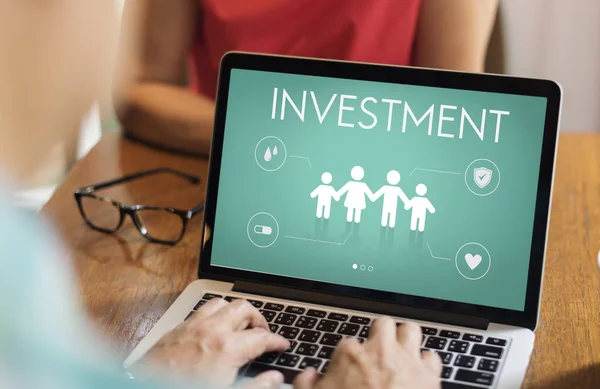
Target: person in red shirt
{"type": "Point", "coordinates": [169, 101]}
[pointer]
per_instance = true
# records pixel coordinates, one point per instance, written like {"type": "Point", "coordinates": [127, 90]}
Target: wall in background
{"type": "Point", "coordinates": [554, 39]}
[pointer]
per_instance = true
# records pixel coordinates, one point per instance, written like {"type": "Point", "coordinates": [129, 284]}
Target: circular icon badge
{"type": "Point", "coordinates": [482, 177]}
{"type": "Point", "coordinates": [473, 261]}
{"type": "Point", "coordinates": [262, 229]}
{"type": "Point", "coordinates": [270, 153]}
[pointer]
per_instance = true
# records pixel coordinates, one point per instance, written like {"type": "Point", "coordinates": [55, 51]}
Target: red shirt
{"type": "Point", "coordinates": [380, 31]}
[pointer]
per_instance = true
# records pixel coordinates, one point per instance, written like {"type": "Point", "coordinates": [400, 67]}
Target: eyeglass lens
{"type": "Point", "coordinates": [100, 214]}
{"type": "Point", "coordinates": [161, 224]}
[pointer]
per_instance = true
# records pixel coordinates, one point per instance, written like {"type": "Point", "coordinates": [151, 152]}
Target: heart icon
{"type": "Point", "coordinates": [473, 260]}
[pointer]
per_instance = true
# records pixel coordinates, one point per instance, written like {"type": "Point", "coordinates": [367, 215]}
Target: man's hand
{"type": "Point", "coordinates": [390, 359]}
{"type": "Point", "coordinates": [215, 342]}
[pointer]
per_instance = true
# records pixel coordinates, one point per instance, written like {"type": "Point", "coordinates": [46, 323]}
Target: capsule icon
{"type": "Point", "coordinates": [263, 230]}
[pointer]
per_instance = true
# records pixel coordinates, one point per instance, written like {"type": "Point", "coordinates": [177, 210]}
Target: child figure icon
{"type": "Point", "coordinates": [324, 194]}
{"type": "Point", "coordinates": [419, 205]}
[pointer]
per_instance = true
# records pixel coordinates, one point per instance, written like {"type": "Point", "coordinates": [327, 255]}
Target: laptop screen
{"type": "Point", "coordinates": [408, 189]}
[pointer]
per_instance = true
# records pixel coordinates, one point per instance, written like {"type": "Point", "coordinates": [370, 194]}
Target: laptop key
{"type": "Point", "coordinates": [289, 332]}
{"type": "Point", "coordinates": [458, 347]}
{"type": "Point", "coordinates": [488, 364]}
{"type": "Point", "coordinates": [286, 319]}
{"type": "Point", "coordinates": [436, 343]}
{"type": "Point", "coordinates": [487, 351]}
{"type": "Point", "coordinates": [349, 329]}
{"type": "Point", "coordinates": [331, 339]}
{"type": "Point", "coordinates": [293, 345]}
{"type": "Point", "coordinates": [200, 303]}
{"type": "Point", "coordinates": [447, 372]}
{"type": "Point", "coordinates": [255, 303]}
{"type": "Point", "coordinates": [273, 328]}
{"type": "Point", "coordinates": [327, 325]}
{"type": "Point", "coordinates": [210, 296]}
{"type": "Point", "coordinates": [429, 331]}
{"type": "Point", "coordinates": [457, 385]}
{"type": "Point", "coordinates": [326, 352]}
{"type": "Point", "coordinates": [496, 342]}
{"type": "Point", "coordinates": [464, 361]}
{"type": "Point", "coordinates": [288, 360]}
{"type": "Point", "coordinates": [231, 298]}
{"type": "Point", "coordinates": [310, 362]}
{"type": "Point", "coordinates": [268, 357]}
{"type": "Point", "coordinates": [189, 315]}
{"type": "Point", "coordinates": [360, 340]}
{"type": "Point", "coordinates": [306, 322]}
{"type": "Point", "coordinates": [268, 315]}
{"type": "Point", "coordinates": [325, 366]}
{"type": "Point", "coordinates": [360, 320]}
{"type": "Point", "coordinates": [450, 334]}
{"type": "Point", "coordinates": [337, 316]}
{"type": "Point", "coordinates": [474, 377]}
{"type": "Point", "coordinates": [445, 357]}
{"type": "Point", "coordinates": [274, 307]}
{"type": "Point", "coordinates": [257, 368]}
{"type": "Point", "coordinates": [296, 310]}
{"type": "Point", "coordinates": [309, 349]}
{"type": "Point", "coordinates": [309, 336]}
{"type": "Point", "coordinates": [473, 338]}
{"type": "Point", "coordinates": [364, 333]}
{"type": "Point", "coordinates": [316, 313]}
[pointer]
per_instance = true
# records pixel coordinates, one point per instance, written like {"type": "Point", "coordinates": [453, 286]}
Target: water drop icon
{"type": "Point", "coordinates": [275, 151]}
{"type": "Point", "coordinates": [268, 154]}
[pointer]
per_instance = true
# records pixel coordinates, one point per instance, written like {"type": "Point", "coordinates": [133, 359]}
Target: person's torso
{"type": "Point", "coordinates": [380, 31]}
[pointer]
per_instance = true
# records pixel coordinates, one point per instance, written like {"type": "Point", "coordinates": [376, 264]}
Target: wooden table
{"type": "Point", "coordinates": [127, 283]}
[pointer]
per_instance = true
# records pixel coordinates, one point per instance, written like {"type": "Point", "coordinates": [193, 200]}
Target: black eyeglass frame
{"type": "Point", "coordinates": [131, 210]}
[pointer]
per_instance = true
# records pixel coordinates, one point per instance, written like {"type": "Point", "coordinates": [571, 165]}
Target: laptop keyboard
{"type": "Point", "coordinates": [470, 360]}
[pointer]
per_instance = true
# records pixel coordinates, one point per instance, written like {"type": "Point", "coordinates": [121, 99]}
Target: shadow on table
{"type": "Point", "coordinates": [132, 250]}
{"type": "Point", "coordinates": [588, 378]}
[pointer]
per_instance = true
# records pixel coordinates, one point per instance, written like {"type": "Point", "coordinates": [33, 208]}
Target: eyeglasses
{"type": "Point", "coordinates": [157, 224]}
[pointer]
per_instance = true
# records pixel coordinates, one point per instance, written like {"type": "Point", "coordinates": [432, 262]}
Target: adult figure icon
{"type": "Point", "coordinates": [324, 194]}
{"type": "Point", "coordinates": [355, 192]}
{"type": "Point", "coordinates": [390, 194]}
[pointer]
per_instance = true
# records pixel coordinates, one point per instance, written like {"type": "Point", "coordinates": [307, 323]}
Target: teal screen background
{"type": "Point", "coordinates": [497, 227]}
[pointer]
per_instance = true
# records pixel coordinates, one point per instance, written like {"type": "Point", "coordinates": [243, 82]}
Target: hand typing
{"type": "Point", "coordinates": [215, 342]}
{"type": "Point", "coordinates": [390, 359]}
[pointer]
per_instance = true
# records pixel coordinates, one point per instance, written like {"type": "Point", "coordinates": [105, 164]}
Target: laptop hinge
{"type": "Point", "coordinates": [365, 305]}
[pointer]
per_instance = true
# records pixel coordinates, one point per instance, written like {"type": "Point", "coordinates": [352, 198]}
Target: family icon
{"type": "Point", "coordinates": [357, 193]}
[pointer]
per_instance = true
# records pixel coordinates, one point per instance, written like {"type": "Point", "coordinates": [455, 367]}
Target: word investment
{"type": "Point", "coordinates": [347, 104]}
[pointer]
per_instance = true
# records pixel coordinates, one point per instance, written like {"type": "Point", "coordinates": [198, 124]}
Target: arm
{"type": "Point", "coordinates": [403, 197]}
{"type": "Point", "coordinates": [377, 194]}
{"type": "Point", "coordinates": [156, 107]}
{"type": "Point", "coordinates": [430, 207]}
{"type": "Point", "coordinates": [315, 192]}
{"type": "Point", "coordinates": [343, 190]}
{"type": "Point", "coordinates": [454, 35]}
{"type": "Point", "coordinates": [370, 194]}
{"type": "Point", "coordinates": [408, 205]}
{"type": "Point", "coordinates": [334, 194]}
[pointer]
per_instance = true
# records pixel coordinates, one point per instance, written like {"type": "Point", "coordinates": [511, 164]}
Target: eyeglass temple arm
{"type": "Point", "coordinates": [135, 176]}
{"type": "Point", "coordinates": [197, 209]}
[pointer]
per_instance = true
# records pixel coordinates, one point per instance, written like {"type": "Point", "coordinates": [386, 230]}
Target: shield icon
{"type": "Point", "coordinates": [482, 176]}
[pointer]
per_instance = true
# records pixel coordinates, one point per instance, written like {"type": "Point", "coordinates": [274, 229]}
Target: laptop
{"type": "Point", "coordinates": [341, 191]}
